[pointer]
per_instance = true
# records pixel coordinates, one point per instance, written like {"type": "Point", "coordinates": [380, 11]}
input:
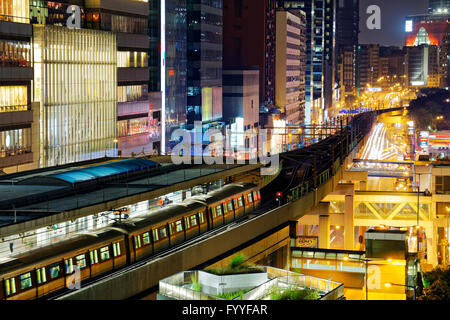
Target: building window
{"type": "Point", "coordinates": [13, 98]}
{"type": "Point", "coordinates": [25, 281]}
{"type": "Point", "coordinates": [442, 184]}
{"type": "Point", "coordinates": [14, 11]}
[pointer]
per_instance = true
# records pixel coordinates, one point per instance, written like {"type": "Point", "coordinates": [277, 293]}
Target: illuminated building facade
{"type": "Point", "coordinates": [423, 66]}
{"type": "Point", "coordinates": [204, 61]}
{"type": "Point", "coordinates": [438, 6]}
{"type": "Point", "coordinates": [75, 81]}
{"type": "Point", "coordinates": [138, 122]}
{"type": "Point", "coordinates": [291, 65]}
{"type": "Point", "coordinates": [17, 123]}
{"type": "Point", "coordinates": [167, 25]}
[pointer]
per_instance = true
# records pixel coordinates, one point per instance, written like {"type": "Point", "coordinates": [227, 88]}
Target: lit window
{"type": "Point", "coordinates": [54, 271]}
{"type": "Point", "coordinates": [146, 238]}
{"type": "Point", "coordinates": [230, 206]}
{"type": "Point", "coordinates": [41, 276]}
{"type": "Point", "coordinates": [187, 223]}
{"type": "Point", "coordinates": [137, 242]}
{"type": "Point", "coordinates": [240, 201]}
{"type": "Point", "coordinates": [81, 261]}
{"type": "Point", "coordinates": [219, 210]}
{"type": "Point", "coordinates": [155, 235]}
{"type": "Point", "coordinates": [200, 217]}
{"type": "Point", "coordinates": [116, 249]}
{"type": "Point", "coordinates": [10, 286]}
{"type": "Point", "coordinates": [179, 226]}
{"type": "Point", "coordinates": [162, 232]}
{"type": "Point", "coordinates": [104, 253]}
{"type": "Point", "coordinates": [69, 265]}
{"type": "Point", "coordinates": [94, 257]}
{"type": "Point", "coordinates": [194, 220]}
{"type": "Point", "coordinates": [25, 281]}
{"type": "Point", "coordinates": [250, 197]}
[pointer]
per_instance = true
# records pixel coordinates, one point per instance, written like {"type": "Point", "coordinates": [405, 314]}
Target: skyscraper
{"type": "Point", "coordinates": [168, 25]}
{"type": "Point", "coordinates": [320, 54]}
{"type": "Point", "coordinates": [204, 61]}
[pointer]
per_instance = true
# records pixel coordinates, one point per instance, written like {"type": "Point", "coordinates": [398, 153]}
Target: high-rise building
{"type": "Point", "coordinates": [347, 28]}
{"type": "Point", "coordinates": [439, 6]}
{"type": "Point", "coordinates": [249, 40]}
{"type": "Point", "coordinates": [320, 54]}
{"type": "Point", "coordinates": [138, 117]}
{"type": "Point", "coordinates": [423, 66]}
{"type": "Point", "coordinates": [167, 25]}
{"type": "Point", "coordinates": [204, 61]}
{"type": "Point", "coordinates": [19, 125]}
{"type": "Point", "coordinates": [291, 64]}
{"type": "Point", "coordinates": [431, 29]}
{"type": "Point", "coordinates": [75, 82]}
{"type": "Point", "coordinates": [368, 65]}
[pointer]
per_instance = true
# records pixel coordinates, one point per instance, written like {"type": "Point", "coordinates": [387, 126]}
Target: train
{"type": "Point", "coordinates": [49, 270]}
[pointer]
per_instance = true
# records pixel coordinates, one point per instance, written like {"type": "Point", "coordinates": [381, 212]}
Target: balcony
{"type": "Point", "coordinates": [10, 159]}
{"type": "Point", "coordinates": [16, 74]}
{"type": "Point", "coordinates": [132, 75]}
{"type": "Point", "coordinates": [16, 118]}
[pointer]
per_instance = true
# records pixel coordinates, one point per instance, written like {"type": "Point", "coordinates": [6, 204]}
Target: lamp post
{"type": "Point", "coordinates": [389, 284]}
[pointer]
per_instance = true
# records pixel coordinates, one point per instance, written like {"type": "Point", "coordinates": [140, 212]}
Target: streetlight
{"type": "Point", "coordinates": [389, 284]}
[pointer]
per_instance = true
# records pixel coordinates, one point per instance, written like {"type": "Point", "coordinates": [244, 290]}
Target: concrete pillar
{"type": "Point", "coordinates": [324, 231]}
{"type": "Point", "coordinates": [431, 234]}
{"type": "Point", "coordinates": [349, 232]}
{"type": "Point", "coordinates": [363, 185]}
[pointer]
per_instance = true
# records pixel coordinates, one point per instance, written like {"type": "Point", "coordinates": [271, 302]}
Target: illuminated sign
{"type": "Point", "coordinates": [356, 110]}
{"type": "Point", "coordinates": [423, 138]}
{"type": "Point", "coordinates": [306, 242]}
{"type": "Point", "coordinates": [373, 89]}
{"type": "Point", "coordinates": [409, 26]}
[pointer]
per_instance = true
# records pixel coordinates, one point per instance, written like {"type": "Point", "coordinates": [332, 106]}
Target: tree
{"type": "Point", "coordinates": [436, 284]}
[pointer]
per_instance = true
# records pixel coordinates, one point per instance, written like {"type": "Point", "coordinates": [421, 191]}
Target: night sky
{"type": "Point", "coordinates": [393, 13]}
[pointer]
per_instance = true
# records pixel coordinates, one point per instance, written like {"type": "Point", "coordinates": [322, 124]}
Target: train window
{"type": "Point", "coordinates": [236, 205]}
{"type": "Point", "coordinates": [69, 265]}
{"type": "Point", "coordinates": [194, 220]}
{"type": "Point", "coordinates": [81, 261]}
{"type": "Point", "coordinates": [146, 238]}
{"type": "Point", "coordinates": [200, 217]}
{"type": "Point", "coordinates": [230, 206]}
{"type": "Point", "coordinates": [94, 257]}
{"type": "Point", "coordinates": [41, 276]}
{"type": "Point", "coordinates": [54, 271]}
{"type": "Point", "coordinates": [240, 201]}
{"type": "Point", "coordinates": [219, 210]}
{"type": "Point", "coordinates": [10, 286]}
{"type": "Point", "coordinates": [187, 223]}
{"type": "Point", "coordinates": [250, 197]}
{"type": "Point", "coordinates": [137, 242]}
{"type": "Point", "coordinates": [255, 195]}
{"type": "Point", "coordinates": [225, 208]}
{"type": "Point", "coordinates": [259, 195]}
{"type": "Point", "coordinates": [155, 235]}
{"type": "Point", "coordinates": [104, 253]}
{"type": "Point", "coordinates": [163, 232]}
{"type": "Point", "coordinates": [171, 227]}
{"type": "Point", "coordinates": [213, 212]}
{"type": "Point", "coordinates": [116, 249]}
{"type": "Point", "coordinates": [25, 281]}
{"type": "Point", "coordinates": [178, 226]}
{"type": "Point", "coordinates": [245, 199]}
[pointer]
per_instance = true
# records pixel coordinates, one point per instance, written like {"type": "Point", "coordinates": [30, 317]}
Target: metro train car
{"type": "Point", "coordinates": [46, 270]}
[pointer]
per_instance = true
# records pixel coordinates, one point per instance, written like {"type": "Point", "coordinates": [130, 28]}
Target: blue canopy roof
{"type": "Point", "coordinates": [105, 170]}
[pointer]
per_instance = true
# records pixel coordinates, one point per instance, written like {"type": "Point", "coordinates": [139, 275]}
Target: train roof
{"type": "Point", "coordinates": [155, 218]}
{"type": "Point", "coordinates": [80, 241]}
{"type": "Point", "coordinates": [225, 192]}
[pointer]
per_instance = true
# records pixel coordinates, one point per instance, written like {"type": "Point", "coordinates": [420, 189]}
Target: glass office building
{"type": "Point", "coordinates": [75, 81]}
{"type": "Point", "coordinates": [172, 39]}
